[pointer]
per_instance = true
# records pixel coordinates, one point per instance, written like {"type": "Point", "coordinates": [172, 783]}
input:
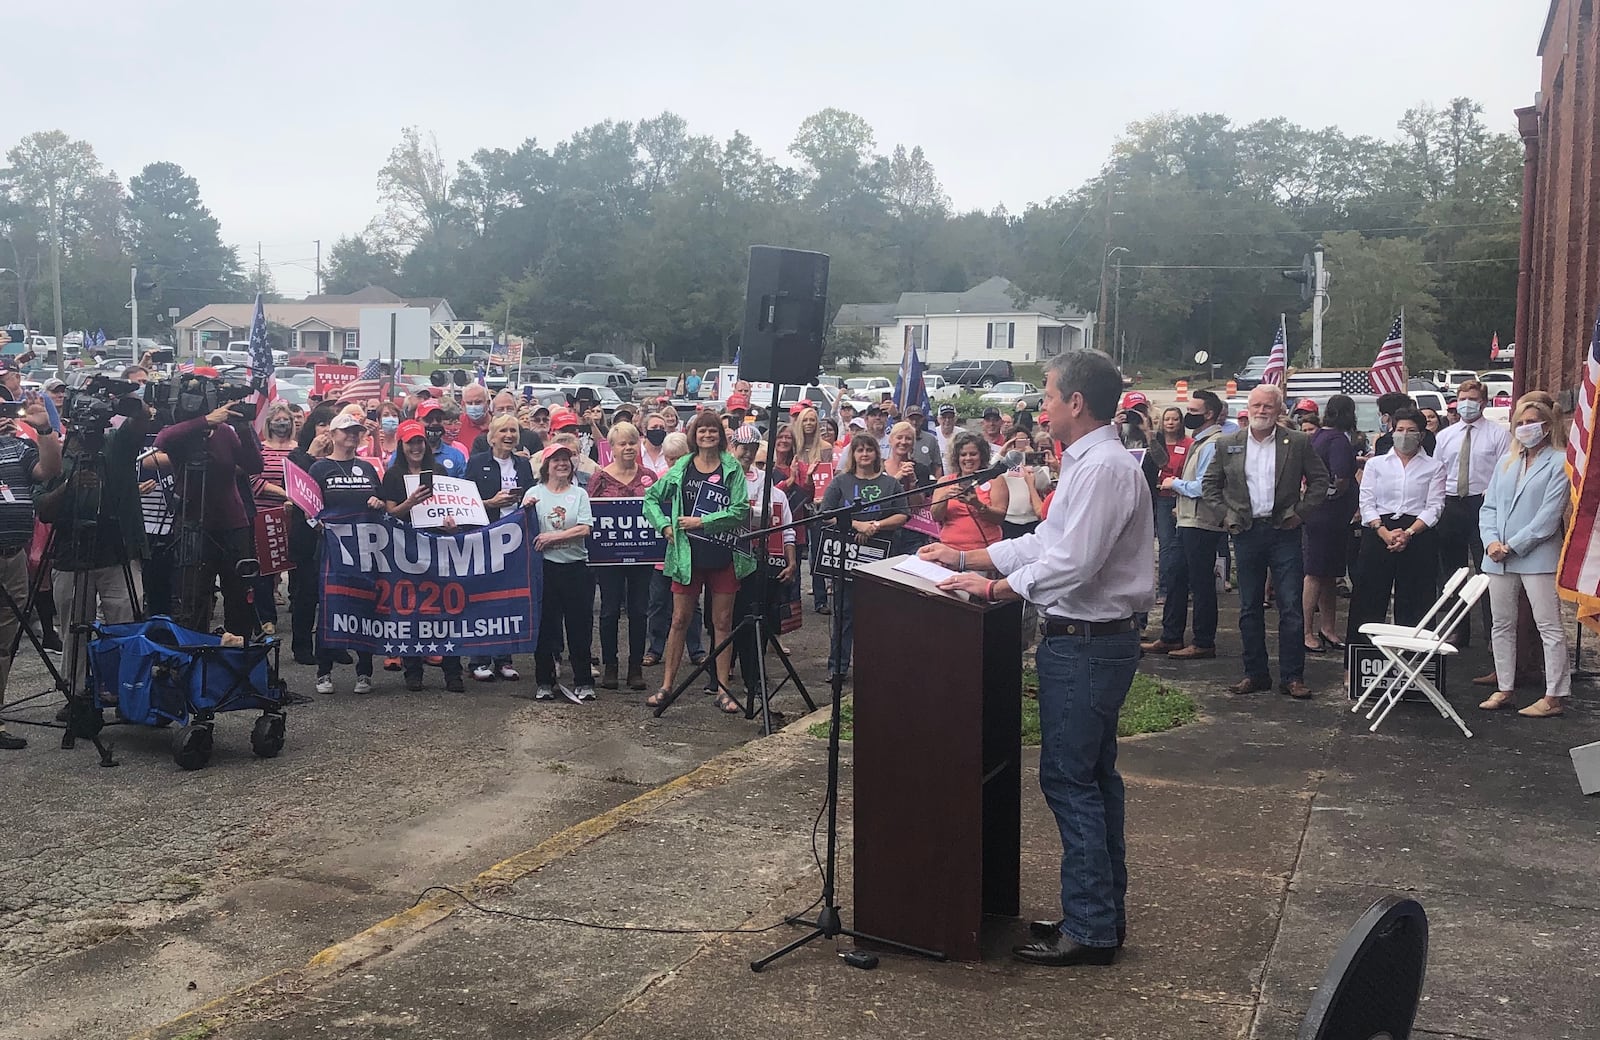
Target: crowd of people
{"type": "Point", "coordinates": [1300, 496]}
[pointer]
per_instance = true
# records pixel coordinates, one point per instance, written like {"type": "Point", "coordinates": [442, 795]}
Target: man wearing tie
{"type": "Point", "coordinates": [1263, 482]}
{"type": "Point", "coordinates": [1469, 450]}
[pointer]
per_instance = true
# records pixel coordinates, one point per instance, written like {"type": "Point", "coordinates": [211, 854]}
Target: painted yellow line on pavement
{"type": "Point", "coordinates": [412, 921]}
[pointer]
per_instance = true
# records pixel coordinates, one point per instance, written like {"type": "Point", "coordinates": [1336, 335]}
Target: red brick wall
{"type": "Point", "coordinates": [1564, 223]}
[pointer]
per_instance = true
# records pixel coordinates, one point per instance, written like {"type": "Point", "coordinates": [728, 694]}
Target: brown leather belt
{"type": "Point", "coordinates": [1074, 627]}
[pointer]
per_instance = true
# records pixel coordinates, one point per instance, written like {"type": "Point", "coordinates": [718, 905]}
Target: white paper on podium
{"type": "Point", "coordinates": [925, 569]}
{"type": "Point", "coordinates": [913, 573]}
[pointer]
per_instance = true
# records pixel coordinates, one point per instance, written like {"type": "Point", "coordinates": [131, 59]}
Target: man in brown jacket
{"type": "Point", "coordinates": [1265, 479]}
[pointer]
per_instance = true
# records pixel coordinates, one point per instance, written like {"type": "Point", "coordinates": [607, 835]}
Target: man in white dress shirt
{"type": "Point", "coordinates": [1468, 450]}
{"type": "Point", "coordinates": [1089, 568]}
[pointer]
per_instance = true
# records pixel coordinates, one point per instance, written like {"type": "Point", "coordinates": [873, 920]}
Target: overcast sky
{"type": "Point", "coordinates": [285, 110]}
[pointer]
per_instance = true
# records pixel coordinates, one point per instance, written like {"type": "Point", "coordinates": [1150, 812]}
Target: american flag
{"type": "Point", "coordinates": [368, 386]}
{"type": "Point", "coordinates": [1494, 347]}
{"type": "Point", "coordinates": [261, 367]}
{"type": "Point", "coordinates": [910, 388]}
{"type": "Point", "coordinates": [1278, 360]}
{"type": "Point", "coordinates": [1389, 367]}
{"type": "Point", "coordinates": [1579, 576]}
{"type": "Point", "coordinates": [186, 367]}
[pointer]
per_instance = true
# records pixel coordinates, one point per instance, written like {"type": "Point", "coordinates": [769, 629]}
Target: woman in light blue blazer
{"type": "Point", "coordinates": [1522, 522]}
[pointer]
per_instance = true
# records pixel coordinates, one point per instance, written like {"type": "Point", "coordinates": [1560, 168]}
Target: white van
{"type": "Point", "coordinates": [1448, 379]}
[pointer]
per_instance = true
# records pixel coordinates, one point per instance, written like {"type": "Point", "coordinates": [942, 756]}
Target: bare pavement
{"type": "Point", "coordinates": [291, 898]}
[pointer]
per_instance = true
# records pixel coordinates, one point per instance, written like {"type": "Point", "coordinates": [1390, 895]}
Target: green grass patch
{"type": "Point", "coordinates": [1151, 707]}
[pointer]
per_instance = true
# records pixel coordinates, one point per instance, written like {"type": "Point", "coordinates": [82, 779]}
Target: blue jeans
{"type": "Point", "coordinates": [1257, 550]}
{"type": "Point", "coordinates": [1196, 579]}
{"type": "Point", "coordinates": [660, 619]}
{"type": "Point", "coordinates": [1082, 683]}
{"type": "Point", "coordinates": [1170, 558]}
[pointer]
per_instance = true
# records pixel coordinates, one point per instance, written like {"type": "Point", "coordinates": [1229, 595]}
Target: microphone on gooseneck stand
{"type": "Point", "coordinates": [1009, 461]}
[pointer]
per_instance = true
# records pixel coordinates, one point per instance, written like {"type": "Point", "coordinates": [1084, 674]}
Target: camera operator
{"type": "Point", "coordinates": [94, 507]}
{"type": "Point", "coordinates": [23, 463]}
{"type": "Point", "coordinates": [221, 444]}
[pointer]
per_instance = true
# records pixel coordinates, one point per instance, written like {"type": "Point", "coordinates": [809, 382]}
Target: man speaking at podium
{"type": "Point", "coordinates": [1088, 586]}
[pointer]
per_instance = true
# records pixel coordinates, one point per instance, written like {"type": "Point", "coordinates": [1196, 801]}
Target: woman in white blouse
{"type": "Point", "coordinates": [1402, 495]}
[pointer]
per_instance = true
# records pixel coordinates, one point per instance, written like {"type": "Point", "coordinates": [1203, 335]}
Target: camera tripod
{"type": "Point", "coordinates": [83, 488]}
{"type": "Point", "coordinates": [756, 621]}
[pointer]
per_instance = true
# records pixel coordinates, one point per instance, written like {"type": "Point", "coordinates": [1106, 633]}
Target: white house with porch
{"type": "Point", "coordinates": [317, 323]}
{"type": "Point", "coordinates": [993, 319]}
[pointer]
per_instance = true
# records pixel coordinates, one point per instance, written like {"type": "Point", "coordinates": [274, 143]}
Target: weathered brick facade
{"type": "Point", "coordinates": [1558, 290]}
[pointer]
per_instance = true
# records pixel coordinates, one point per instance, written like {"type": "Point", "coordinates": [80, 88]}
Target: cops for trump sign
{"type": "Point", "coordinates": [389, 588]}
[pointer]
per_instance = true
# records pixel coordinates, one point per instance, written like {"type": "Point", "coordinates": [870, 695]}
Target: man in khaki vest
{"type": "Point", "coordinates": [1199, 530]}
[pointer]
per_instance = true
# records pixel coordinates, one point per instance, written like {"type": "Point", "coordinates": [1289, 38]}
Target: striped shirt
{"type": "Point", "coordinates": [18, 458]}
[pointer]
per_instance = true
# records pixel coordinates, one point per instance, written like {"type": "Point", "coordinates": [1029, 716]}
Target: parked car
{"type": "Point", "coordinates": [1009, 393]}
{"type": "Point", "coordinates": [308, 358]}
{"type": "Point", "coordinates": [939, 389]}
{"type": "Point", "coordinates": [1249, 377]}
{"type": "Point", "coordinates": [620, 384]}
{"type": "Point", "coordinates": [569, 367]}
{"type": "Point", "coordinates": [1496, 382]}
{"type": "Point", "coordinates": [1448, 379]}
{"type": "Point", "coordinates": [865, 390]}
{"type": "Point", "coordinates": [977, 372]}
{"type": "Point", "coordinates": [1434, 399]}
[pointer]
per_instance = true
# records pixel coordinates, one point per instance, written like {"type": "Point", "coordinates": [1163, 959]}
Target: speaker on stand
{"type": "Point", "coordinates": [785, 316]}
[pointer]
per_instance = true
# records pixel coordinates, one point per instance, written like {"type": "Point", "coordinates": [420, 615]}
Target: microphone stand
{"type": "Point", "coordinates": [829, 923]}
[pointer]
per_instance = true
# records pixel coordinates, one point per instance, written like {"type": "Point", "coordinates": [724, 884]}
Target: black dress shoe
{"type": "Point", "coordinates": [1048, 930]}
{"type": "Point", "coordinates": [10, 743]}
{"type": "Point", "coordinates": [1064, 953]}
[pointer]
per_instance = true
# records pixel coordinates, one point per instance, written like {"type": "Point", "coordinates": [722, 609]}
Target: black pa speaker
{"type": "Point", "coordinates": [785, 313]}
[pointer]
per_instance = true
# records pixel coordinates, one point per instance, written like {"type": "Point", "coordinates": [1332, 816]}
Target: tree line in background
{"type": "Point", "coordinates": [630, 232]}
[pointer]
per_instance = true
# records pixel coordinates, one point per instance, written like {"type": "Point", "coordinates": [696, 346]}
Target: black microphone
{"type": "Point", "coordinates": [1009, 461]}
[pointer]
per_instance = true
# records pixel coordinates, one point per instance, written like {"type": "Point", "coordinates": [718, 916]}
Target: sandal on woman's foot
{"type": "Point", "coordinates": [1500, 699]}
{"type": "Point", "coordinates": [727, 705]}
{"type": "Point", "coordinates": [657, 699]}
{"type": "Point", "coordinates": [650, 660]}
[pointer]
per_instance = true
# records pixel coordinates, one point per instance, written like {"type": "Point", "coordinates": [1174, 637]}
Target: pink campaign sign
{"type": "Point", "coordinates": [302, 490]}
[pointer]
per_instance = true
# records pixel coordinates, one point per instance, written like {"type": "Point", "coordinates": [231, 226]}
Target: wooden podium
{"type": "Point", "coordinates": [938, 761]}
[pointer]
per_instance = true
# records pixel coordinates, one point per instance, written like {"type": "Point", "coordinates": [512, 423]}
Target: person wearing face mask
{"type": "Point", "coordinates": [434, 417]}
{"type": "Point", "coordinates": [652, 456]}
{"type": "Point", "coordinates": [1200, 527]}
{"type": "Point", "coordinates": [268, 490]}
{"type": "Point", "coordinates": [474, 415]}
{"type": "Point", "coordinates": [1265, 480]}
{"type": "Point", "coordinates": [1388, 405]}
{"type": "Point", "coordinates": [1521, 527]}
{"type": "Point", "coordinates": [1469, 450]}
{"type": "Point", "coordinates": [529, 443]}
{"type": "Point", "coordinates": [383, 443]}
{"type": "Point", "coordinates": [1401, 499]}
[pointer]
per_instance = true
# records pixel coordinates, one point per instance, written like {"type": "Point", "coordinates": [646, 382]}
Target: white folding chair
{"type": "Point", "coordinates": [1373, 628]}
{"type": "Point", "coordinates": [1411, 653]}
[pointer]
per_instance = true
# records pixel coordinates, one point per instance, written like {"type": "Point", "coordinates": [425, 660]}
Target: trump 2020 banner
{"type": "Point", "coordinates": [389, 588]}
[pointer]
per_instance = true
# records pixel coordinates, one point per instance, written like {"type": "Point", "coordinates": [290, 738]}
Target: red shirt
{"type": "Point", "coordinates": [1177, 452]}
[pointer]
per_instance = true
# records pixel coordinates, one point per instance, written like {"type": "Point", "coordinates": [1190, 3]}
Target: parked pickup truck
{"type": "Point", "coordinates": [566, 368]}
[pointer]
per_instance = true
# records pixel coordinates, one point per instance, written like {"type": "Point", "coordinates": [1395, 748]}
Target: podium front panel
{"type": "Point", "coordinates": [937, 764]}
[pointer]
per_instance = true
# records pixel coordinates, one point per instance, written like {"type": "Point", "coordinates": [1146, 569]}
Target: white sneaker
{"type": "Point", "coordinates": [324, 684]}
{"type": "Point", "coordinates": [508, 673]}
{"type": "Point", "coordinates": [571, 694]}
{"type": "Point", "coordinates": [483, 673]}
{"type": "Point", "coordinates": [544, 693]}
{"type": "Point", "coordinates": [583, 693]}
{"type": "Point", "coordinates": [363, 684]}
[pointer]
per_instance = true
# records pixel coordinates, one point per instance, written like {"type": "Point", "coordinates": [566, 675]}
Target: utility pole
{"type": "Point", "coordinates": [259, 268]}
{"type": "Point", "coordinates": [1105, 251]}
{"type": "Point", "coordinates": [319, 266]}
{"type": "Point", "coordinates": [133, 307]}
{"type": "Point", "coordinates": [1319, 301]}
{"type": "Point", "coordinates": [1116, 316]}
{"type": "Point", "coordinates": [55, 250]}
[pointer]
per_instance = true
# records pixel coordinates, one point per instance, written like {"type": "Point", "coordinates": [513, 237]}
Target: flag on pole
{"type": "Point", "coordinates": [1578, 578]}
{"type": "Point", "coordinates": [1388, 374]}
{"type": "Point", "coordinates": [1494, 346]}
{"type": "Point", "coordinates": [368, 386]}
{"type": "Point", "coordinates": [1277, 370]}
{"type": "Point", "coordinates": [261, 367]}
{"type": "Point", "coordinates": [910, 389]}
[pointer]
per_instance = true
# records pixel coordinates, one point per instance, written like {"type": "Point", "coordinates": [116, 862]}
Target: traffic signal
{"type": "Point", "coordinates": [144, 288]}
{"type": "Point", "coordinates": [1307, 278]}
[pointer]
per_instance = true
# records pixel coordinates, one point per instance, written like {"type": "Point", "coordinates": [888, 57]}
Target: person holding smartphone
{"type": "Point", "coordinates": [415, 459]}
{"type": "Point", "coordinates": [24, 462]}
